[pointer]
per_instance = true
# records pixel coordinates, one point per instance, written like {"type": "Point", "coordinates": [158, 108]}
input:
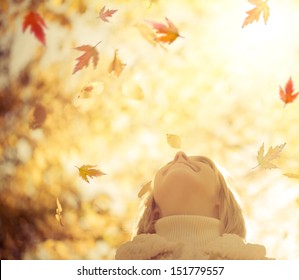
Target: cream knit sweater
{"type": "Point", "coordinates": [186, 237]}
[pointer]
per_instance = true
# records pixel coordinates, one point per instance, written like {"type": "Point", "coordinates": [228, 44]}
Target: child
{"type": "Point", "coordinates": [190, 213]}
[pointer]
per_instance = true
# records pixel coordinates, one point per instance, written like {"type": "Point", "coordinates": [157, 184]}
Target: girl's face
{"type": "Point", "coordinates": [187, 186]}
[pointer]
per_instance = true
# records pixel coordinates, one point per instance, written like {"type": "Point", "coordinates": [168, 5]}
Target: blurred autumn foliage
{"type": "Point", "coordinates": [213, 90]}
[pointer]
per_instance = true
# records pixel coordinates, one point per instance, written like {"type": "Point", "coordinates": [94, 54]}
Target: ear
{"type": "Point", "coordinates": [156, 213]}
{"type": "Point", "coordinates": [217, 209]}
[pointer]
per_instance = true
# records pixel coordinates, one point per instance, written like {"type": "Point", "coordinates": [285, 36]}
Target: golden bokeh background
{"type": "Point", "coordinates": [217, 88]}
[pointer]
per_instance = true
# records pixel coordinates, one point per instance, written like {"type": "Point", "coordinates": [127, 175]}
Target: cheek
{"type": "Point", "coordinates": [209, 182]}
{"type": "Point", "coordinates": [183, 182]}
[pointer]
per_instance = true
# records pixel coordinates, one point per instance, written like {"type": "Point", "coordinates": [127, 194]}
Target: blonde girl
{"type": "Point", "coordinates": [190, 213]}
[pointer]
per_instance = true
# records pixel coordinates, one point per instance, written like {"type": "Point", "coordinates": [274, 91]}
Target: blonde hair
{"type": "Point", "coordinates": [230, 213]}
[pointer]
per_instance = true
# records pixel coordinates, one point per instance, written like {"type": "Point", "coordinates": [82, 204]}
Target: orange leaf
{"type": "Point", "coordinates": [287, 94]}
{"type": "Point", "coordinates": [104, 14]}
{"type": "Point", "coordinates": [168, 32]}
{"type": "Point", "coordinates": [116, 65]}
{"type": "Point", "coordinates": [88, 170]}
{"type": "Point", "coordinates": [83, 60]}
{"type": "Point", "coordinates": [36, 23]}
{"type": "Point", "coordinates": [254, 14]}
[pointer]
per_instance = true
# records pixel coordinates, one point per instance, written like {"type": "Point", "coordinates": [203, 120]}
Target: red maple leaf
{"type": "Point", "coordinates": [287, 94]}
{"type": "Point", "coordinates": [36, 23]}
{"type": "Point", "coordinates": [104, 14]}
{"type": "Point", "coordinates": [83, 60]}
{"type": "Point", "coordinates": [168, 32]}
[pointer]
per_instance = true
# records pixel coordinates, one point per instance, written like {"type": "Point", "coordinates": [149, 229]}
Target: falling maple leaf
{"type": "Point", "coordinates": [254, 14]}
{"type": "Point", "coordinates": [58, 214]}
{"type": "Point", "coordinates": [287, 94]}
{"type": "Point", "coordinates": [104, 14]}
{"type": "Point", "coordinates": [174, 140]}
{"type": "Point", "coordinates": [37, 25]}
{"type": "Point", "coordinates": [88, 170]}
{"type": "Point", "coordinates": [168, 32]}
{"type": "Point", "coordinates": [116, 65]}
{"type": "Point", "coordinates": [145, 188]}
{"type": "Point", "coordinates": [272, 153]}
{"type": "Point", "coordinates": [83, 60]}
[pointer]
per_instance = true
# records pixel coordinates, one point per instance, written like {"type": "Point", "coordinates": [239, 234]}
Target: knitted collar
{"type": "Point", "coordinates": [198, 230]}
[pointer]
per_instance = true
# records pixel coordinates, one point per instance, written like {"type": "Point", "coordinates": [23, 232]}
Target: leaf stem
{"type": "Point", "coordinates": [97, 44]}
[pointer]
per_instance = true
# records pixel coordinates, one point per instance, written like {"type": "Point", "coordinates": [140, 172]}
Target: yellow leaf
{"type": "Point", "coordinates": [254, 14]}
{"type": "Point", "coordinates": [132, 90]}
{"type": "Point", "coordinates": [291, 175]}
{"type": "Point", "coordinates": [58, 215]}
{"type": "Point", "coordinates": [88, 170]}
{"type": "Point", "coordinates": [147, 33]}
{"type": "Point", "coordinates": [145, 188]}
{"type": "Point", "coordinates": [116, 65]}
{"type": "Point", "coordinates": [59, 208]}
{"type": "Point", "coordinates": [272, 153]}
{"type": "Point", "coordinates": [174, 140]}
{"type": "Point", "coordinates": [151, 2]}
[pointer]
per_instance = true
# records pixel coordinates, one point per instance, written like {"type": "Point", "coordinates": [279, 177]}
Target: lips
{"type": "Point", "coordinates": [194, 168]}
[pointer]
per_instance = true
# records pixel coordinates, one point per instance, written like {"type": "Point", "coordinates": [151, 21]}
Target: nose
{"type": "Point", "coordinates": [180, 156]}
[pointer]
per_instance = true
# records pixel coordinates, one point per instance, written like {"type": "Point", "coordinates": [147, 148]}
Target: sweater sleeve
{"type": "Point", "coordinates": [232, 247]}
{"type": "Point", "coordinates": [148, 247]}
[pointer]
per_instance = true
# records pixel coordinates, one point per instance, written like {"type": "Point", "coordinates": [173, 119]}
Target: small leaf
{"type": "Point", "coordinates": [104, 14]}
{"type": "Point", "coordinates": [93, 88]}
{"type": "Point", "coordinates": [147, 33]}
{"type": "Point", "coordinates": [254, 14]}
{"type": "Point", "coordinates": [36, 24]}
{"type": "Point", "coordinates": [116, 65]}
{"type": "Point", "coordinates": [38, 117]}
{"type": "Point", "coordinates": [88, 170]}
{"type": "Point", "coordinates": [132, 90]}
{"type": "Point", "coordinates": [272, 153]}
{"type": "Point", "coordinates": [168, 32]}
{"type": "Point", "coordinates": [147, 187]}
{"type": "Point", "coordinates": [174, 140]}
{"type": "Point", "coordinates": [287, 94]}
{"type": "Point", "coordinates": [59, 207]}
{"type": "Point", "coordinates": [292, 175]}
{"type": "Point", "coordinates": [90, 53]}
{"type": "Point", "coordinates": [152, 2]}
{"type": "Point", "coordinates": [58, 214]}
